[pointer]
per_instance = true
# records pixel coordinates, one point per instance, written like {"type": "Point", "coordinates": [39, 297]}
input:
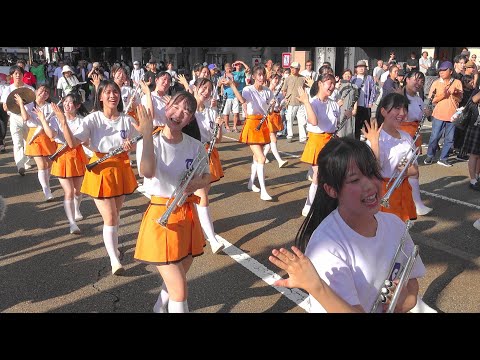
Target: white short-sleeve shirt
{"type": "Point", "coordinates": [354, 266]}
{"type": "Point", "coordinates": [327, 114]}
{"type": "Point", "coordinates": [257, 101]}
{"type": "Point", "coordinates": [105, 134]}
{"type": "Point", "coordinates": [172, 160]}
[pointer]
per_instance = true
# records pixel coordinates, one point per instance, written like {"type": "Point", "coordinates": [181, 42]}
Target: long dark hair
{"type": "Point", "coordinates": [101, 88]}
{"type": "Point", "coordinates": [333, 164]}
{"type": "Point", "coordinates": [392, 100]}
{"type": "Point", "coordinates": [191, 128]}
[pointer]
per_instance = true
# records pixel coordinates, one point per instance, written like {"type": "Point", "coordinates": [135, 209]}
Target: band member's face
{"type": "Point", "coordinates": [178, 115]}
{"type": "Point", "coordinates": [43, 93]}
{"type": "Point", "coordinates": [259, 77]}
{"type": "Point", "coordinates": [327, 87]}
{"type": "Point", "coordinates": [68, 105]}
{"type": "Point", "coordinates": [415, 83]}
{"type": "Point", "coordinates": [162, 83]}
{"type": "Point", "coordinates": [17, 76]}
{"type": "Point", "coordinates": [205, 91]}
{"type": "Point", "coordinates": [393, 118]}
{"type": "Point", "coordinates": [204, 73]}
{"type": "Point", "coordinates": [110, 97]}
{"type": "Point", "coordinates": [120, 77]}
{"type": "Point", "coordinates": [359, 195]}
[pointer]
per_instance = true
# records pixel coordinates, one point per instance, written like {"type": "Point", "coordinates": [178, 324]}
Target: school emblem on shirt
{"type": "Point", "coordinates": [188, 163]}
{"type": "Point", "coordinates": [395, 271]}
{"type": "Point", "coordinates": [123, 134]}
{"type": "Point", "coordinates": [211, 125]}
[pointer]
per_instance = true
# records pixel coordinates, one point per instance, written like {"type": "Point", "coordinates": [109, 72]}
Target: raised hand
{"type": "Point", "coordinates": [145, 120]}
{"type": "Point", "coordinates": [302, 274]}
{"type": "Point", "coordinates": [371, 131]}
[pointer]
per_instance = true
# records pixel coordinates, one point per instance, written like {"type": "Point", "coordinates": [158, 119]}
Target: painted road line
{"type": "Point", "coordinates": [459, 202]}
{"type": "Point", "coordinates": [296, 295]}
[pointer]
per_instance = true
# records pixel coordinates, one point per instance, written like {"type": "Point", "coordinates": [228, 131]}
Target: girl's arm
{"type": "Point", "coordinates": [303, 98]}
{"type": "Point", "coordinates": [145, 127]}
{"type": "Point", "coordinates": [71, 140]}
{"type": "Point", "coordinates": [46, 127]}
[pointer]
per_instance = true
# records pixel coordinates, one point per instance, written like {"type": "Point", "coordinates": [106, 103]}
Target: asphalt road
{"type": "Point", "coordinates": [47, 270]}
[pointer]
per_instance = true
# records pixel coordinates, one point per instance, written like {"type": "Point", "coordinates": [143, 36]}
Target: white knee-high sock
{"type": "Point", "coordinates": [43, 179]}
{"type": "Point", "coordinates": [261, 177]}
{"type": "Point", "coordinates": [206, 222]}
{"type": "Point", "coordinates": [77, 200]}
{"type": "Point", "coordinates": [311, 194]}
{"type": "Point", "coordinates": [162, 301]}
{"type": "Point", "coordinates": [416, 192]}
{"type": "Point", "coordinates": [266, 149]}
{"type": "Point", "coordinates": [177, 306]}
{"type": "Point", "coordinates": [275, 151]}
{"type": "Point", "coordinates": [48, 174]}
{"type": "Point", "coordinates": [254, 172]}
{"type": "Point", "coordinates": [69, 210]}
{"type": "Point", "coordinates": [110, 239]}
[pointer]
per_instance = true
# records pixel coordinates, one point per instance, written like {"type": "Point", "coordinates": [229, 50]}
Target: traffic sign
{"type": "Point", "coordinates": [286, 59]}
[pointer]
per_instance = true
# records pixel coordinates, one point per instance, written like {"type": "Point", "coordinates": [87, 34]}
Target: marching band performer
{"type": "Point", "coordinates": [390, 145]}
{"type": "Point", "coordinates": [42, 146]}
{"type": "Point", "coordinates": [347, 240]}
{"type": "Point", "coordinates": [322, 116]}
{"type": "Point", "coordinates": [258, 98]}
{"type": "Point", "coordinates": [69, 164]}
{"type": "Point", "coordinates": [206, 118]}
{"type": "Point", "coordinates": [107, 183]}
{"type": "Point", "coordinates": [18, 129]}
{"type": "Point", "coordinates": [274, 122]}
{"type": "Point", "coordinates": [414, 82]}
{"type": "Point", "coordinates": [163, 160]}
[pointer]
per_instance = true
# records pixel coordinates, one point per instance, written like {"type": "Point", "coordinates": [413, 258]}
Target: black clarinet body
{"type": "Point", "coordinates": [56, 153]}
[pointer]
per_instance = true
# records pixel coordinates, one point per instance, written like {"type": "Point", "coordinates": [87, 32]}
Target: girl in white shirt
{"type": "Point", "coordinates": [163, 161]}
{"type": "Point", "coordinates": [349, 242]}
{"type": "Point", "coordinates": [322, 117]}
{"type": "Point", "coordinates": [69, 164]}
{"type": "Point", "coordinates": [107, 183]}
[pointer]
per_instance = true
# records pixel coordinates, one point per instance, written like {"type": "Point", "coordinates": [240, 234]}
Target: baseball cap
{"type": "Point", "coordinates": [152, 61]}
{"type": "Point", "coordinates": [212, 66]}
{"type": "Point", "coordinates": [445, 65]}
{"type": "Point", "coordinates": [470, 64]}
{"type": "Point", "coordinates": [295, 65]}
{"type": "Point", "coordinates": [136, 63]}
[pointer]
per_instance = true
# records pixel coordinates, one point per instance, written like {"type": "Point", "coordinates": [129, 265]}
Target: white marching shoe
{"type": "Point", "coordinates": [253, 187]}
{"type": "Point", "coordinates": [423, 210]}
{"type": "Point", "coordinates": [265, 196]}
{"type": "Point", "coordinates": [74, 229]}
{"type": "Point", "coordinates": [118, 269]}
{"type": "Point", "coordinates": [216, 246]}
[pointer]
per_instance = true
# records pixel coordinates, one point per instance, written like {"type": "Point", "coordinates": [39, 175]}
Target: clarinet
{"type": "Point", "coordinates": [116, 151]}
{"type": "Point", "coordinates": [56, 153]}
{"type": "Point", "coordinates": [217, 126]}
{"type": "Point", "coordinates": [422, 120]}
{"type": "Point", "coordinates": [270, 108]}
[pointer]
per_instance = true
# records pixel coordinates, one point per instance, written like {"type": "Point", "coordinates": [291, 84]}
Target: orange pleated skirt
{"type": "Point", "coordinates": [41, 146]}
{"type": "Point", "coordinates": [113, 177]}
{"type": "Point", "coordinates": [411, 128]}
{"type": "Point", "coordinates": [250, 135]}
{"type": "Point", "coordinates": [182, 237]}
{"type": "Point", "coordinates": [401, 201]}
{"type": "Point", "coordinates": [274, 122]}
{"type": "Point", "coordinates": [70, 162]}
{"type": "Point", "coordinates": [315, 143]}
{"type": "Point", "coordinates": [216, 171]}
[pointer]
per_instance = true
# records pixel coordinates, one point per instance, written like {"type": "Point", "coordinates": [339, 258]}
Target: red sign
{"type": "Point", "coordinates": [286, 59]}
